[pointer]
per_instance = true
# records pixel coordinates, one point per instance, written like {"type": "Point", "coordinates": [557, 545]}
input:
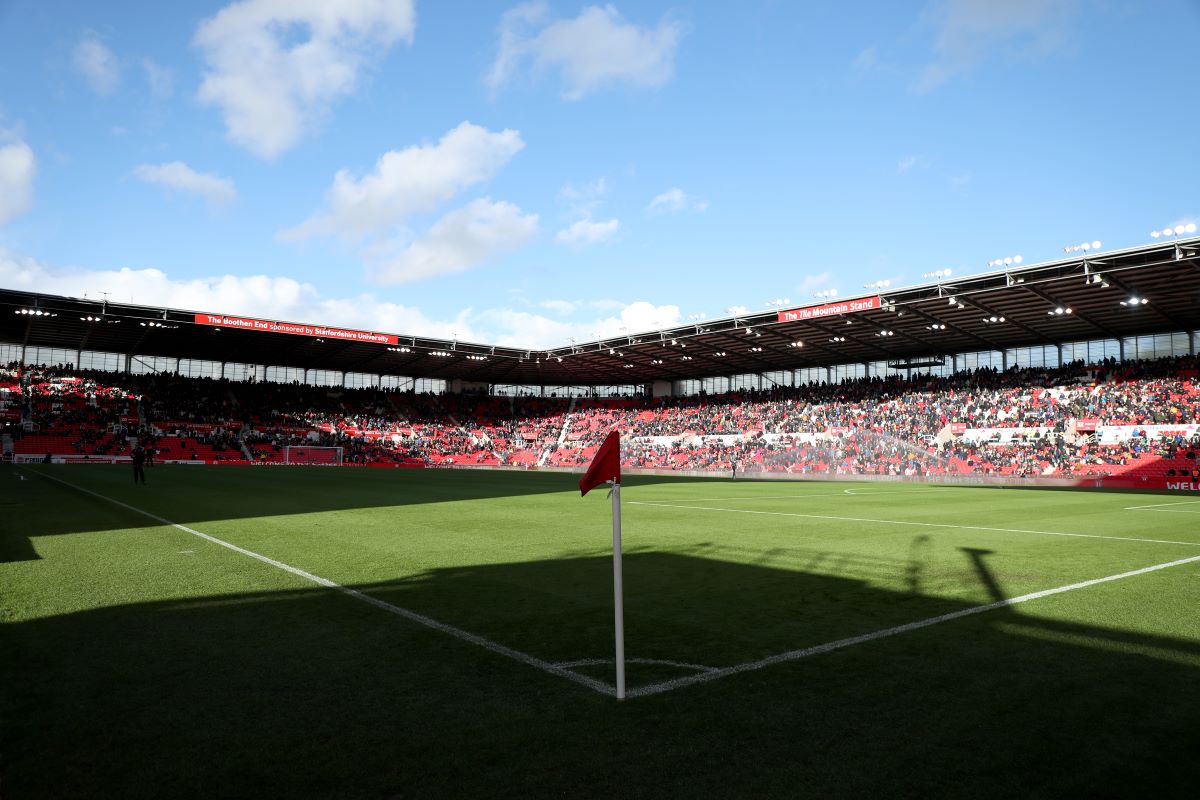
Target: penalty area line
{"type": "Point", "coordinates": [912, 523]}
{"type": "Point", "coordinates": [796, 655]}
{"type": "Point", "coordinates": [411, 616]}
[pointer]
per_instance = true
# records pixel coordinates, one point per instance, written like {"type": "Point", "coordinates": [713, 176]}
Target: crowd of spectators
{"type": "Point", "coordinates": [1043, 421]}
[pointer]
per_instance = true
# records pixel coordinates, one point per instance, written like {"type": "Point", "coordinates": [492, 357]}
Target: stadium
{"type": "Point", "coordinates": [867, 438]}
{"type": "Point", "coordinates": [368, 429]}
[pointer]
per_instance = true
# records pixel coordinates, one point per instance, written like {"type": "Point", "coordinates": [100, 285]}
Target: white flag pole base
{"type": "Point", "coordinates": [618, 599]}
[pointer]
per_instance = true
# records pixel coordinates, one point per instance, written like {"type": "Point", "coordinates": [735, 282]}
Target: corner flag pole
{"type": "Point", "coordinates": [618, 592]}
{"type": "Point", "coordinates": [606, 468]}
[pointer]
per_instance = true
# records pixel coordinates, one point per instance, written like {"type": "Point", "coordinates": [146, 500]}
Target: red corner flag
{"type": "Point", "coordinates": [606, 466]}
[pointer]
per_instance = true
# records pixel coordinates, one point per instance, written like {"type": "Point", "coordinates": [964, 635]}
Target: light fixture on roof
{"type": "Point", "coordinates": [35, 312]}
{"type": "Point", "coordinates": [656, 361]}
{"type": "Point", "coordinates": [1135, 301]}
{"type": "Point", "coordinates": [953, 300]}
{"type": "Point", "coordinates": [825, 294]}
{"type": "Point", "coordinates": [1059, 311]}
{"type": "Point", "coordinates": [885, 333]}
{"type": "Point", "coordinates": [796, 344]}
{"type": "Point", "coordinates": [877, 285]}
{"type": "Point", "coordinates": [405, 350]}
{"type": "Point", "coordinates": [697, 317]}
{"type": "Point", "coordinates": [1007, 261]}
{"type": "Point", "coordinates": [777, 302]}
{"type": "Point", "coordinates": [477, 358]}
{"type": "Point", "coordinates": [937, 326]}
{"type": "Point", "coordinates": [719, 353]}
{"type": "Point", "coordinates": [627, 366]}
{"type": "Point", "coordinates": [1177, 230]}
{"type": "Point", "coordinates": [938, 273]}
{"type": "Point", "coordinates": [755, 349]}
{"type": "Point", "coordinates": [685, 358]}
{"type": "Point", "coordinates": [1085, 246]}
{"type": "Point", "coordinates": [993, 320]}
{"type": "Point", "coordinates": [838, 339]}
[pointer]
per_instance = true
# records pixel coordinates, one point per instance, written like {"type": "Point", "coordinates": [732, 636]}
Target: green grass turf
{"type": "Point", "coordinates": [137, 660]}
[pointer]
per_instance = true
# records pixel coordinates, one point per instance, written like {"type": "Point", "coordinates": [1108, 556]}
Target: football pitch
{"type": "Point", "coordinates": [357, 633]}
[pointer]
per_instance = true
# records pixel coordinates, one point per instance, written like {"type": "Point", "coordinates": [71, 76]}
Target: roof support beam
{"type": "Point", "coordinates": [1074, 312]}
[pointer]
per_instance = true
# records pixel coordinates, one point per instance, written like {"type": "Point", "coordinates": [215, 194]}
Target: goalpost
{"type": "Point", "coordinates": [305, 454]}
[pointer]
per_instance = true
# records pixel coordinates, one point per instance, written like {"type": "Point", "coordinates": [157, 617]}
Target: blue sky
{"type": "Point", "coordinates": [525, 173]}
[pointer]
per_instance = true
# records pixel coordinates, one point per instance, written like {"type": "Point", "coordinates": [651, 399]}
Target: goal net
{"type": "Point", "coordinates": [304, 454]}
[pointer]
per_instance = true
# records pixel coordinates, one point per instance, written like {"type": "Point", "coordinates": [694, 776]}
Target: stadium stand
{"type": "Point", "coordinates": [1130, 418]}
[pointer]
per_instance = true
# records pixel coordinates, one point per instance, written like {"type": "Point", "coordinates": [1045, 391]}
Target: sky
{"type": "Point", "coordinates": [525, 173]}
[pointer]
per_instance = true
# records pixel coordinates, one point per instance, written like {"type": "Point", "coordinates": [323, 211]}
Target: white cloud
{"type": "Point", "coordinates": [866, 60]}
{"type": "Point", "coordinates": [160, 79]}
{"type": "Point", "coordinates": [287, 299]}
{"type": "Point", "coordinates": [98, 65]}
{"type": "Point", "coordinates": [584, 200]}
{"type": "Point", "coordinates": [17, 169]}
{"type": "Point", "coordinates": [416, 179]}
{"type": "Point", "coordinates": [460, 240]}
{"type": "Point", "coordinates": [253, 295]}
{"type": "Point", "coordinates": [814, 283]}
{"type": "Point", "coordinates": [179, 176]}
{"type": "Point", "coordinates": [274, 67]}
{"type": "Point", "coordinates": [586, 231]}
{"type": "Point", "coordinates": [639, 317]}
{"type": "Point", "coordinates": [970, 32]}
{"type": "Point", "coordinates": [675, 200]}
{"type": "Point", "coordinates": [908, 162]}
{"type": "Point", "coordinates": [961, 180]}
{"type": "Point", "coordinates": [595, 50]}
{"type": "Point", "coordinates": [562, 307]}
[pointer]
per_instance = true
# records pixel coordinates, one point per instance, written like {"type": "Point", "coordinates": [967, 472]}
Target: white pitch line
{"type": "Point", "coordinates": [596, 662]}
{"type": "Point", "coordinates": [412, 616]}
{"type": "Point", "coordinates": [915, 524]}
{"type": "Point", "coordinates": [842, 493]}
{"type": "Point", "coordinates": [1160, 505]}
{"type": "Point", "coordinates": [794, 655]}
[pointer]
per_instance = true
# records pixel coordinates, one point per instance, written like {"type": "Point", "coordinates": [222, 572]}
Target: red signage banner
{"type": "Point", "coordinates": [316, 331]}
{"type": "Point", "coordinates": [1086, 424]}
{"type": "Point", "coordinates": [831, 309]}
{"type": "Point", "coordinates": [958, 428]}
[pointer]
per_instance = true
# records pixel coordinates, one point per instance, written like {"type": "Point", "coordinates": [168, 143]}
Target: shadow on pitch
{"type": "Point", "coordinates": [309, 693]}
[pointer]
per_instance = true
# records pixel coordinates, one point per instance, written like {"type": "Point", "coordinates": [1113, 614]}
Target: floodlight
{"type": "Point", "coordinates": [1168, 231]}
{"type": "Point", "coordinates": [1096, 245]}
{"type": "Point", "coordinates": [1155, 234]}
{"type": "Point", "coordinates": [1190, 227]}
{"type": "Point", "coordinates": [1179, 229]}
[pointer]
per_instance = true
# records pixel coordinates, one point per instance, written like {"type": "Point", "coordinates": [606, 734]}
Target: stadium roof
{"type": "Point", "coordinates": [1074, 299]}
